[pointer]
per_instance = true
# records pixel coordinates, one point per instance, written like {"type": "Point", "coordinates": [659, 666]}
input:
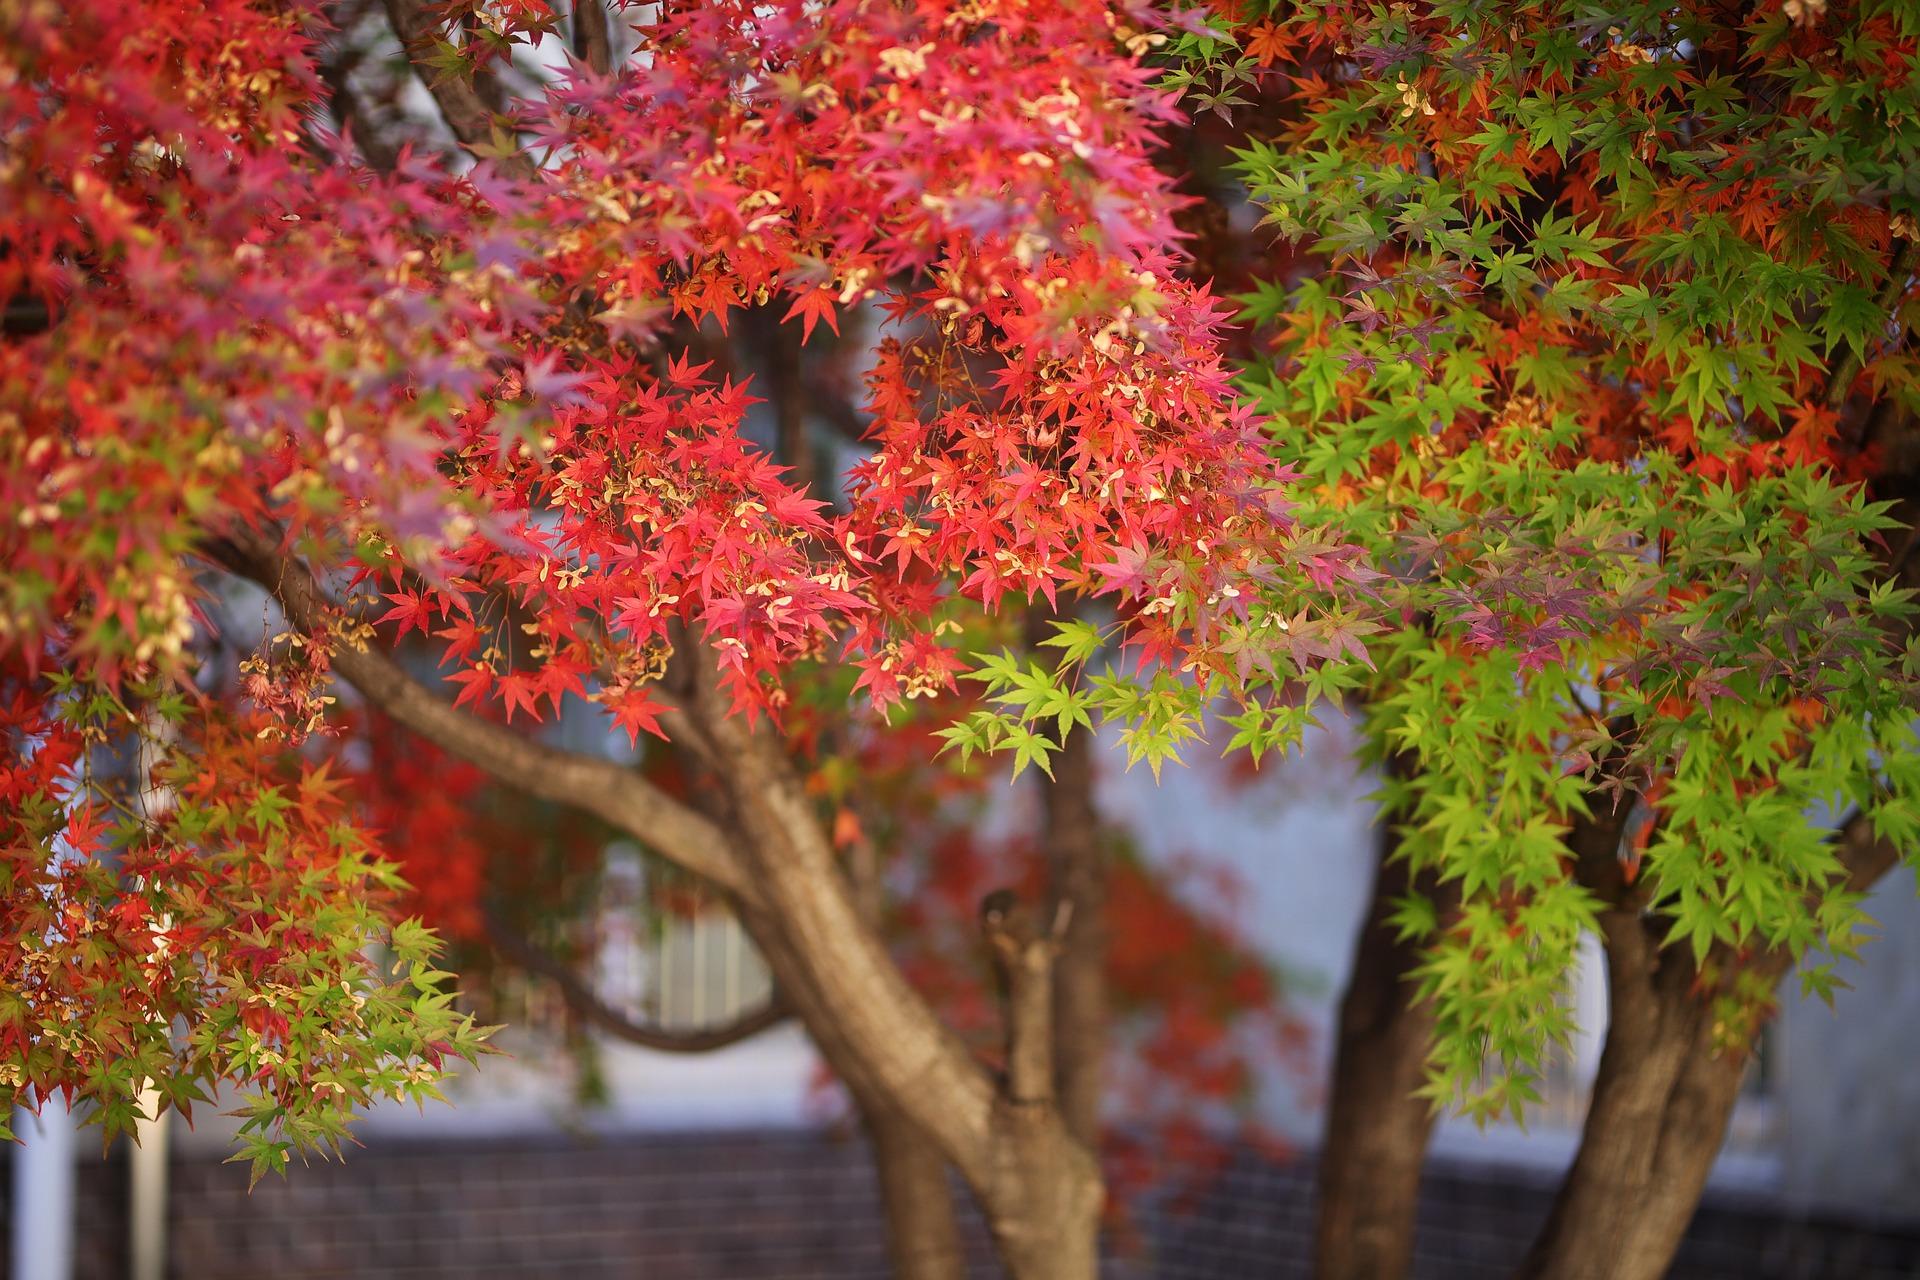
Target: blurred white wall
{"type": "Point", "coordinates": [1851, 1075]}
{"type": "Point", "coordinates": [42, 1224]}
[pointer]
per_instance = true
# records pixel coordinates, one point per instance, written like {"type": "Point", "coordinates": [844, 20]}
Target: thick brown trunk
{"type": "Point", "coordinates": [1377, 1129]}
{"type": "Point", "coordinates": [1077, 868]}
{"type": "Point", "coordinates": [916, 1197]}
{"type": "Point", "coordinates": [1660, 1108]}
{"type": "Point", "coordinates": [1664, 1093]}
{"type": "Point", "coordinates": [923, 1240]}
{"type": "Point", "coordinates": [1039, 1190]}
{"type": "Point", "coordinates": [1056, 1234]}
{"type": "Point", "coordinates": [1046, 1175]}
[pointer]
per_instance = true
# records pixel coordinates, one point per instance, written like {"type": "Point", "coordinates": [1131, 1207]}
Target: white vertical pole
{"type": "Point", "coordinates": [43, 1193]}
{"type": "Point", "coordinates": [147, 1192]}
{"type": "Point", "coordinates": [147, 1163]}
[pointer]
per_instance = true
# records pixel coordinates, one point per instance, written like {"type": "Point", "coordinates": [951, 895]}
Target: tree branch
{"type": "Point", "coordinates": [1864, 859]}
{"type": "Point", "coordinates": [923, 1239]}
{"type": "Point", "coordinates": [593, 35]}
{"type": "Point", "coordinates": [1665, 1092]}
{"type": "Point", "coordinates": [581, 998]}
{"type": "Point", "coordinates": [1023, 957]}
{"type": "Point", "coordinates": [1865, 856]}
{"type": "Point", "coordinates": [462, 103]}
{"type": "Point", "coordinates": [341, 59]}
{"type": "Point", "coordinates": [832, 965]}
{"type": "Point", "coordinates": [601, 787]}
{"type": "Point", "coordinates": [1594, 840]}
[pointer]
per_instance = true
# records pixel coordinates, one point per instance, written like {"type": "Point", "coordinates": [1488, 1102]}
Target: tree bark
{"type": "Point", "coordinates": [593, 35]}
{"type": "Point", "coordinates": [1039, 1189]}
{"type": "Point", "coordinates": [923, 1238]}
{"type": "Point", "coordinates": [1078, 874]}
{"type": "Point", "coordinates": [780, 349]}
{"type": "Point", "coordinates": [1057, 1235]}
{"type": "Point", "coordinates": [1377, 1129]}
{"type": "Point", "coordinates": [612, 792]}
{"type": "Point", "coordinates": [1660, 1108]}
{"type": "Point", "coordinates": [1663, 1096]}
{"type": "Point", "coordinates": [923, 1241]}
{"type": "Point", "coordinates": [467, 104]}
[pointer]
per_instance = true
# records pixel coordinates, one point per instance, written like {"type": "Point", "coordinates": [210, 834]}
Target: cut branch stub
{"type": "Point", "coordinates": [1023, 953]}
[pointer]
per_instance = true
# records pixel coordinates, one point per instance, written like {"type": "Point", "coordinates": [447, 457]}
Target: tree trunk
{"type": "Point", "coordinates": [1377, 1130]}
{"type": "Point", "coordinates": [1663, 1096]}
{"type": "Point", "coordinates": [1040, 1191]}
{"type": "Point", "coordinates": [1038, 1188]}
{"type": "Point", "coordinates": [1660, 1108]}
{"type": "Point", "coordinates": [1056, 1233]}
{"type": "Point", "coordinates": [923, 1241]}
{"type": "Point", "coordinates": [1077, 868]}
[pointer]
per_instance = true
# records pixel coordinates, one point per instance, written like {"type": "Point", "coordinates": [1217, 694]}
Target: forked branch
{"type": "Point", "coordinates": [1023, 955]}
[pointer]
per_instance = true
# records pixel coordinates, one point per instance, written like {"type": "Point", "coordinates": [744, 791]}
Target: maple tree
{"type": "Point", "coordinates": [1589, 342]}
{"type": "Point", "coordinates": [1598, 338]}
{"type": "Point", "coordinates": [471, 421]}
{"type": "Point", "coordinates": [1162, 1074]}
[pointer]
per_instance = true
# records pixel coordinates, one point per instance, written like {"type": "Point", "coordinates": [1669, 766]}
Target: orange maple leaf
{"type": "Point", "coordinates": [1267, 43]}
